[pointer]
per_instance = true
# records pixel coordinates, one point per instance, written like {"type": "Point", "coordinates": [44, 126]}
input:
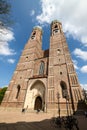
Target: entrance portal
{"type": "Point", "coordinates": [38, 103]}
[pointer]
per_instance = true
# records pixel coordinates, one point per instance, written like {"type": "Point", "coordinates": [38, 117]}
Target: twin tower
{"type": "Point", "coordinates": [45, 80]}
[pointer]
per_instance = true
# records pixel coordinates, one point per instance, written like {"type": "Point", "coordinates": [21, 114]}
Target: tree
{"type": "Point", "coordinates": [2, 93]}
{"type": "Point", "coordinates": [85, 95]}
{"type": "Point", "coordinates": [5, 9]}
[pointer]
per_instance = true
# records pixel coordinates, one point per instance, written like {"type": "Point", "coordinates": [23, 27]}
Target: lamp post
{"type": "Point", "coordinates": [58, 97]}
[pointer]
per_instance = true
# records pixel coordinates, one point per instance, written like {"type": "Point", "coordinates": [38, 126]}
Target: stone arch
{"type": "Point", "coordinates": [35, 82]}
{"type": "Point", "coordinates": [55, 29]}
{"type": "Point", "coordinates": [35, 89]}
{"type": "Point", "coordinates": [33, 35]}
{"type": "Point", "coordinates": [56, 26]}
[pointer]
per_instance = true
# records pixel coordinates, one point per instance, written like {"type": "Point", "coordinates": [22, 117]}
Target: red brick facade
{"type": "Point", "coordinates": [48, 76]}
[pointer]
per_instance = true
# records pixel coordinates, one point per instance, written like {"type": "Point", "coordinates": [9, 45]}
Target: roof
{"type": "Point", "coordinates": [55, 21]}
{"type": "Point", "coordinates": [39, 28]}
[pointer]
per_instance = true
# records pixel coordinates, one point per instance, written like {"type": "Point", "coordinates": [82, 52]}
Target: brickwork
{"type": "Point", "coordinates": [41, 75]}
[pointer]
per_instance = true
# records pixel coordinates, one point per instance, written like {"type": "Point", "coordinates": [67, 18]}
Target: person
{"type": "Point", "coordinates": [38, 110]}
{"type": "Point", "coordinates": [23, 110]}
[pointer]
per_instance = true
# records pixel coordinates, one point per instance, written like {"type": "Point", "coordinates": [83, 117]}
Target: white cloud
{"type": "Point", "coordinates": [6, 36]}
{"type": "Point", "coordinates": [72, 14]}
{"type": "Point", "coordinates": [32, 12]}
{"type": "Point", "coordinates": [11, 61]}
{"type": "Point", "coordinates": [84, 86]}
{"type": "Point", "coordinates": [81, 54]}
{"type": "Point", "coordinates": [75, 64]}
{"type": "Point", "coordinates": [84, 69]}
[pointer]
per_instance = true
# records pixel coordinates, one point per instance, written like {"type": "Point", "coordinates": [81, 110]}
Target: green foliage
{"type": "Point", "coordinates": [85, 96]}
{"type": "Point", "coordinates": [5, 10]}
{"type": "Point", "coordinates": [4, 7]}
{"type": "Point", "coordinates": [2, 93]}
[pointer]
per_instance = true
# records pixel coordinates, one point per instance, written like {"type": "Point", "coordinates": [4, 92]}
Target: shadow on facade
{"type": "Point", "coordinates": [81, 107]}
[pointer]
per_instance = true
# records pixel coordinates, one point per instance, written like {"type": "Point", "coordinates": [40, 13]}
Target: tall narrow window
{"type": "Point", "coordinates": [79, 94]}
{"type": "Point", "coordinates": [18, 91]}
{"type": "Point", "coordinates": [41, 70]}
{"type": "Point", "coordinates": [64, 89]}
{"type": "Point", "coordinates": [33, 35]}
{"type": "Point", "coordinates": [75, 94]}
{"type": "Point", "coordinates": [55, 29]}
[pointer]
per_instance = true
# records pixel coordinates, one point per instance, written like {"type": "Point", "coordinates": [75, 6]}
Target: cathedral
{"type": "Point", "coordinates": [44, 79]}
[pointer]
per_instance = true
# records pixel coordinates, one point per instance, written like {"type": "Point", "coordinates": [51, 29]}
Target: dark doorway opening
{"type": "Point", "coordinates": [38, 103]}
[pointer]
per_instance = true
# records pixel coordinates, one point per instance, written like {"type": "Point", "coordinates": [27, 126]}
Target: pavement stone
{"type": "Point", "coordinates": [33, 121]}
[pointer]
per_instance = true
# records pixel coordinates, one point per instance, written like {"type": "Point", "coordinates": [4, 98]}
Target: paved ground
{"type": "Point", "coordinates": [32, 121]}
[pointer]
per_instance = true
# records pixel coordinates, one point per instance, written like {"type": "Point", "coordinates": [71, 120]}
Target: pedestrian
{"type": "Point", "coordinates": [23, 110]}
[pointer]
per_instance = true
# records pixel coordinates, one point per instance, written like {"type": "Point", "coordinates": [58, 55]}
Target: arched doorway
{"type": "Point", "coordinates": [36, 96]}
{"type": "Point", "coordinates": [38, 103]}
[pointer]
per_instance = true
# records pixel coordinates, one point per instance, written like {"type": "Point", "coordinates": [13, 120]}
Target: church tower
{"type": "Point", "coordinates": [63, 85]}
{"type": "Point", "coordinates": [45, 79]}
{"type": "Point", "coordinates": [16, 92]}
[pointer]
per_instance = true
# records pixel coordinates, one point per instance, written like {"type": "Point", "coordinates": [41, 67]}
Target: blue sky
{"type": "Point", "coordinates": [27, 14]}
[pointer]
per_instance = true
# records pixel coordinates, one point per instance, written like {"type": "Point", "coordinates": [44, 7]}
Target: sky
{"type": "Point", "coordinates": [26, 14]}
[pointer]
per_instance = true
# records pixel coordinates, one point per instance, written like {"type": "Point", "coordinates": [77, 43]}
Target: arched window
{"type": "Point", "coordinates": [55, 29]}
{"type": "Point", "coordinates": [41, 70]}
{"type": "Point", "coordinates": [64, 89]}
{"type": "Point", "coordinates": [18, 91]}
{"type": "Point", "coordinates": [33, 35]}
